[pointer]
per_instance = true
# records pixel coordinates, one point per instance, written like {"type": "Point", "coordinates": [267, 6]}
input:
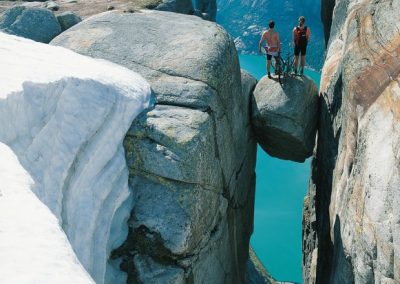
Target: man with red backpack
{"type": "Point", "coordinates": [301, 36]}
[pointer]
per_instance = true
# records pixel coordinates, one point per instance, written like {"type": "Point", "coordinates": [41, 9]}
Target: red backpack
{"type": "Point", "coordinates": [300, 37]}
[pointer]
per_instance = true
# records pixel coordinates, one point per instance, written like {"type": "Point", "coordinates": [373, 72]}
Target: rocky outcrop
{"type": "Point", "coordinates": [284, 118]}
{"type": "Point", "coordinates": [191, 157]}
{"type": "Point", "coordinates": [33, 23]}
{"type": "Point", "coordinates": [87, 8]}
{"type": "Point", "coordinates": [351, 218]}
{"type": "Point", "coordinates": [206, 9]}
{"type": "Point", "coordinates": [68, 19]}
{"type": "Point", "coordinates": [51, 5]}
{"type": "Point", "coordinates": [256, 272]}
{"type": "Point", "coordinates": [177, 6]}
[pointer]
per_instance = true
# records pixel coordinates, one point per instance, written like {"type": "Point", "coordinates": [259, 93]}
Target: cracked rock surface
{"type": "Point", "coordinates": [351, 224]}
{"type": "Point", "coordinates": [192, 156]}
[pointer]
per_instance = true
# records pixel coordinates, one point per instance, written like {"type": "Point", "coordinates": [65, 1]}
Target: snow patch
{"type": "Point", "coordinates": [33, 247]}
{"type": "Point", "coordinates": [65, 116]}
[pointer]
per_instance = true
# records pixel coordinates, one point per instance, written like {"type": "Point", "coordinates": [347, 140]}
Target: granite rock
{"type": "Point", "coordinates": [256, 272]}
{"type": "Point", "coordinates": [51, 5]}
{"type": "Point", "coordinates": [68, 19]}
{"type": "Point", "coordinates": [177, 6]}
{"type": "Point", "coordinates": [284, 117]}
{"type": "Point", "coordinates": [33, 23]}
{"type": "Point", "coordinates": [206, 9]}
{"type": "Point", "coordinates": [88, 8]}
{"type": "Point", "coordinates": [351, 231]}
{"type": "Point", "coordinates": [192, 156]}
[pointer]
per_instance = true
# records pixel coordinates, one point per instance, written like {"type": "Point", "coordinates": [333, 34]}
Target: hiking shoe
{"type": "Point", "coordinates": [269, 75]}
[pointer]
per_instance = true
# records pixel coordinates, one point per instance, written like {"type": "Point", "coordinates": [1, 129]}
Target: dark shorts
{"type": "Point", "coordinates": [300, 49]}
{"type": "Point", "coordinates": [269, 57]}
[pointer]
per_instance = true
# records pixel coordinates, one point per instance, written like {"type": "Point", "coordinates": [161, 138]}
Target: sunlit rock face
{"type": "Point", "coordinates": [351, 218]}
{"type": "Point", "coordinates": [191, 158]}
{"type": "Point", "coordinates": [64, 193]}
{"type": "Point", "coordinates": [284, 117]}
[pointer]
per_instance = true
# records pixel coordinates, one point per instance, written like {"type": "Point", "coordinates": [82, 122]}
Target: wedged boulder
{"type": "Point", "coordinates": [192, 156]}
{"type": "Point", "coordinates": [68, 19]}
{"type": "Point", "coordinates": [284, 118]}
{"type": "Point", "coordinates": [33, 23]}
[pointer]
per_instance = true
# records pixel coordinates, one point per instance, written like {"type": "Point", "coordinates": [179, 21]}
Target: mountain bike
{"type": "Point", "coordinates": [285, 68]}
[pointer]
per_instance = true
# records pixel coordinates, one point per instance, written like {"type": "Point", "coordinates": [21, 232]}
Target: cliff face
{"type": "Point", "coordinates": [192, 157]}
{"type": "Point", "coordinates": [352, 213]}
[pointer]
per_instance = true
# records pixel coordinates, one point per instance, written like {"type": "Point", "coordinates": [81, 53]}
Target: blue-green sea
{"type": "Point", "coordinates": [280, 190]}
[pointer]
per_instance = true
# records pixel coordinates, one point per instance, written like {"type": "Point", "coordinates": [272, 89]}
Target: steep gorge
{"type": "Point", "coordinates": [193, 192]}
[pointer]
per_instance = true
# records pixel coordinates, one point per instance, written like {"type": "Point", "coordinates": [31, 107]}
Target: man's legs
{"type": "Point", "coordinates": [277, 63]}
{"type": "Point", "coordinates": [303, 63]}
{"type": "Point", "coordinates": [296, 58]}
{"type": "Point", "coordinates": [303, 58]}
{"type": "Point", "coordinates": [269, 57]}
{"type": "Point", "coordinates": [296, 63]}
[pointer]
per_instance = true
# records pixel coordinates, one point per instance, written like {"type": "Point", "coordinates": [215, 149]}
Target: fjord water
{"type": "Point", "coordinates": [280, 190]}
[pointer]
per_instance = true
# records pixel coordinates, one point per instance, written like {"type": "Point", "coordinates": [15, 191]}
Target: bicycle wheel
{"type": "Point", "coordinates": [279, 64]}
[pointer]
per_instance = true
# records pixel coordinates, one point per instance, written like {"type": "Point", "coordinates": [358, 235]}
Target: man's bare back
{"type": "Point", "coordinates": [272, 39]}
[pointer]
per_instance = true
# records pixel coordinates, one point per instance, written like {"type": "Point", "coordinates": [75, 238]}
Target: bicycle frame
{"type": "Point", "coordinates": [287, 67]}
{"type": "Point", "coordinates": [283, 68]}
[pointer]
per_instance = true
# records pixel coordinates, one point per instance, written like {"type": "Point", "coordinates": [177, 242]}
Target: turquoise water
{"type": "Point", "coordinates": [280, 190]}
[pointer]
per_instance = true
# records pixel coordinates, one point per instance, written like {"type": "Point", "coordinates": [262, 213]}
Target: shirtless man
{"type": "Point", "coordinates": [273, 46]}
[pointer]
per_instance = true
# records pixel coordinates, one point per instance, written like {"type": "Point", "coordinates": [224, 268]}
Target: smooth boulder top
{"type": "Point", "coordinates": [284, 118]}
{"type": "Point", "coordinates": [151, 42]}
{"type": "Point", "coordinates": [33, 23]}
